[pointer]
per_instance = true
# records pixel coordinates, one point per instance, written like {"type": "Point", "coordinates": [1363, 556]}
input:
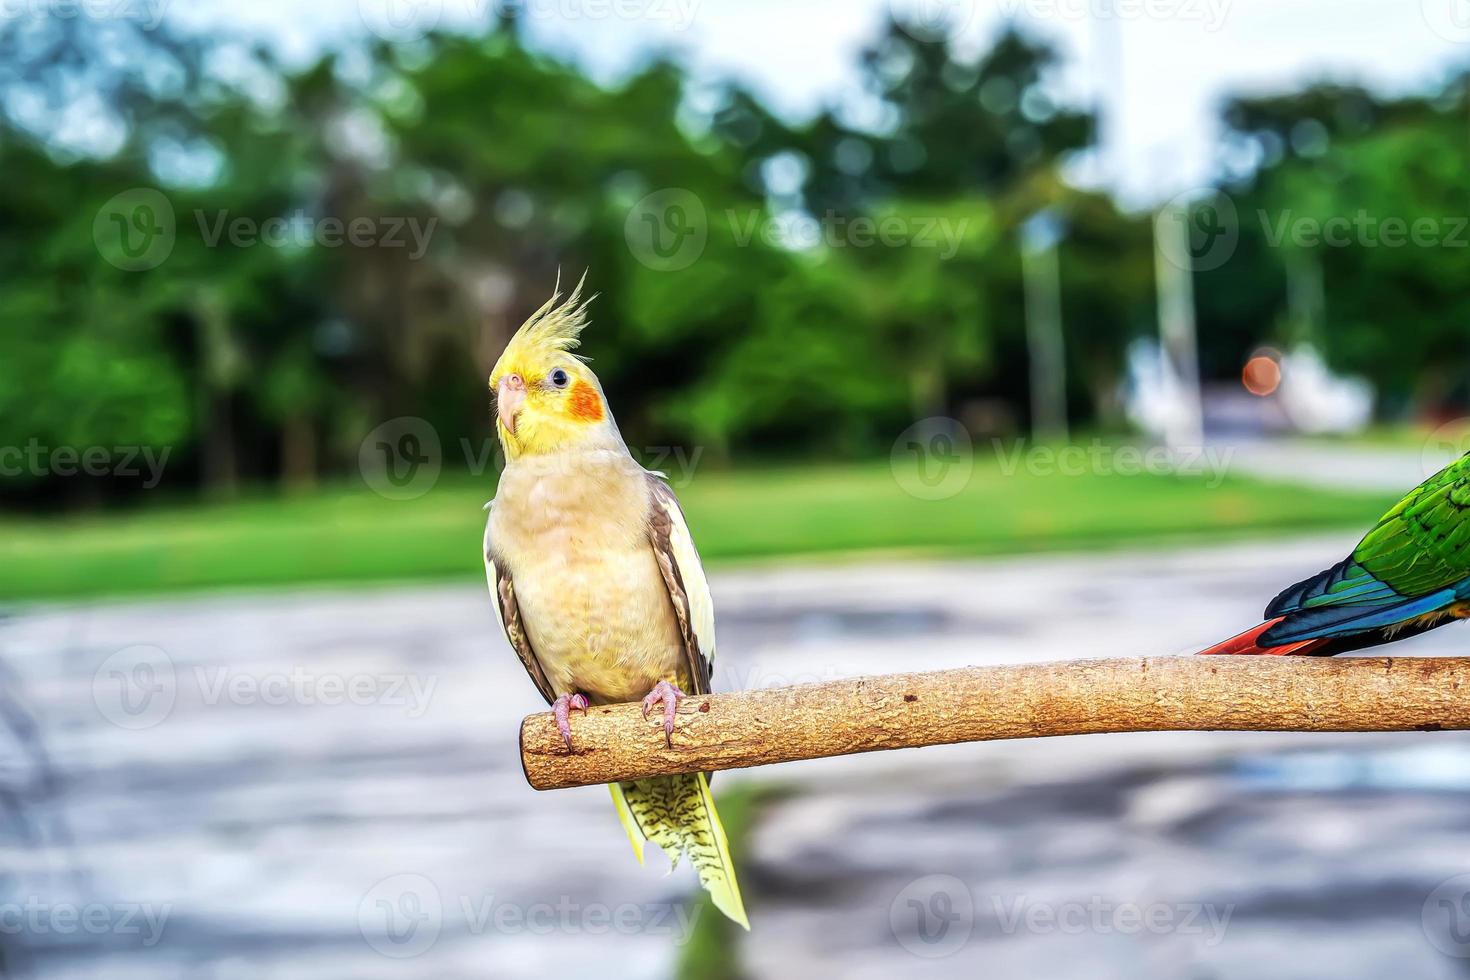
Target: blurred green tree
{"type": "Point", "coordinates": [1364, 200]}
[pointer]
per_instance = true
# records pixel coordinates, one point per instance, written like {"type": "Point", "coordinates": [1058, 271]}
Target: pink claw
{"type": "Point", "coordinates": [562, 709]}
{"type": "Point", "coordinates": [670, 696]}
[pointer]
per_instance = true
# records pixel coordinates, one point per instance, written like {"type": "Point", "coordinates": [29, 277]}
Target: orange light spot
{"type": "Point", "coordinates": [1261, 375]}
{"type": "Point", "coordinates": [585, 404]}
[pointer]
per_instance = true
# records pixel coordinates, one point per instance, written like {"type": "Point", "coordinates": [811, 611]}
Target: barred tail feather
{"type": "Point", "coordinates": [678, 814]}
{"type": "Point", "coordinates": [629, 822]}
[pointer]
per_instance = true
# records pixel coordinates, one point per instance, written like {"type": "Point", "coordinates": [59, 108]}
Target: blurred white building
{"type": "Point", "coordinates": [1310, 399]}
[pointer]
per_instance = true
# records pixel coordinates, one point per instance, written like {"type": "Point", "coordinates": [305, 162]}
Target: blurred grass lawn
{"type": "Point", "coordinates": [348, 534]}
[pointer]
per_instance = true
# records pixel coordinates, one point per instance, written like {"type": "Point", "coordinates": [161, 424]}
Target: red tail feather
{"type": "Point", "coordinates": [1245, 644]}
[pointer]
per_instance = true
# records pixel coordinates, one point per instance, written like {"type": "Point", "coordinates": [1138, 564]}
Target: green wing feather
{"type": "Point", "coordinates": [1422, 545]}
{"type": "Point", "coordinates": [1415, 562]}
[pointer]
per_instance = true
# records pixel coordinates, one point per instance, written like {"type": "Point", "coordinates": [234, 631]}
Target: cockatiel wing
{"type": "Point", "coordinates": [678, 561]}
{"type": "Point", "coordinates": [677, 812]}
{"type": "Point", "coordinates": [503, 592]}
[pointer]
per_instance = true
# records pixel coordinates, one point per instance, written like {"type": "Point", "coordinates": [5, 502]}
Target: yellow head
{"type": "Point", "coordinates": [546, 398]}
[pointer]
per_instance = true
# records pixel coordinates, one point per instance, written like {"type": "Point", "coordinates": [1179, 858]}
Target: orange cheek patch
{"type": "Point", "coordinates": [585, 404]}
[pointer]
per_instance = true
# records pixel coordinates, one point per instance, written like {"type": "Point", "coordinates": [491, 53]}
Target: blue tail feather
{"type": "Point", "coordinates": [1357, 617]}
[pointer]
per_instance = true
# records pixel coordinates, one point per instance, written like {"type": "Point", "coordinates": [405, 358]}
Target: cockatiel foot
{"type": "Point", "coordinates": [562, 709]}
{"type": "Point", "coordinates": [670, 696]}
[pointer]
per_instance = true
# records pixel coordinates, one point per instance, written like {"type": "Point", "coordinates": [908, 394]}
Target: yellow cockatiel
{"type": "Point", "coordinates": [595, 577]}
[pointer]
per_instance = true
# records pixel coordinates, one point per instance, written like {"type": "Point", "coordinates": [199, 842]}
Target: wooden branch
{"type": "Point", "coordinates": [896, 711]}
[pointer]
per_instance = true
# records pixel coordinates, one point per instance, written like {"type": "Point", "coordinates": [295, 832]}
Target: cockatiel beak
{"type": "Point", "coordinates": [510, 395]}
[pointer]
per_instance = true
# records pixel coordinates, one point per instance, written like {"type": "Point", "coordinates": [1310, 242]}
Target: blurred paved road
{"type": "Point", "coordinates": [326, 785]}
{"type": "Point", "coordinates": [1354, 466]}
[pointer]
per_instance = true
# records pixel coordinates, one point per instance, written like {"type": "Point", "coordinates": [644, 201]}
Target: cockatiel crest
{"type": "Point", "coordinates": [555, 328]}
{"type": "Point", "coordinates": [547, 399]}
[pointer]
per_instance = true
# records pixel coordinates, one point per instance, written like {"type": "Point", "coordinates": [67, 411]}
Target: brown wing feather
{"type": "Point", "coordinates": [503, 591]}
{"type": "Point", "coordinates": [664, 507]}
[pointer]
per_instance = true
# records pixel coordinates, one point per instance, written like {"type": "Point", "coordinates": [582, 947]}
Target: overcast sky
{"type": "Point", "coordinates": [1160, 66]}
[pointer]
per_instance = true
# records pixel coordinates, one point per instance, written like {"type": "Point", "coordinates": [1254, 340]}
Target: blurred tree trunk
{"type": "Point", "coordinates": [927, 390]}
{"type": "Point", "coordinates": [1102, 386]}
{"type": "Point", "coordinates": [298, 453]}
{"type": "Point", "coordinates": [1432, 394]}
{"type": "Point", "coordinates": [221, 471]}
{"type": "Point", "coordinates": [222, 365]}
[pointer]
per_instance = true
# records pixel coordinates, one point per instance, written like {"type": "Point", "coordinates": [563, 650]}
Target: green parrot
{"type": "Point", "coordinates": [1408, 575]}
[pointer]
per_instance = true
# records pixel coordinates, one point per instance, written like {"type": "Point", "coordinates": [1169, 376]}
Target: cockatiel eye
{"type": "Point", "coordinates": [559, 378]}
